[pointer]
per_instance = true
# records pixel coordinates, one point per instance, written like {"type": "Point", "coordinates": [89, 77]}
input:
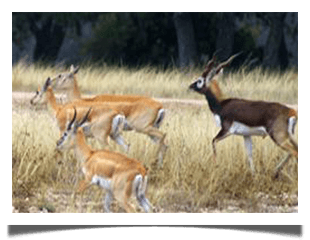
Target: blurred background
{"type": "Point", "coordinates": [161, 39]}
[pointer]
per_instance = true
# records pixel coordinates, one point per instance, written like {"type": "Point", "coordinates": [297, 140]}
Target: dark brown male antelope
{"type": "Point", "coordinates": [247, 118]}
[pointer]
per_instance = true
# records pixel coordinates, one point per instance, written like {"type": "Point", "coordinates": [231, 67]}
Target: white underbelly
{"type": "Point", "coordinates": [238, 128]}
{"type": "Point", "coordinates": [101, 181]}
{"type": "Point", "coordinates": [217, 120]}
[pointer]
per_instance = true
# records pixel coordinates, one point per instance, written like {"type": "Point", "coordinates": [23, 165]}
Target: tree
{"type": "Point", "coordinates": [159, 38]}
{"type": "Point", "coordinates": [49, 34]}
{"type": "Point", "coordinates": [49, 30]}
{"type": "Point", "coordinates": [133, 39]}
{"type": "Point", "coordinates": [225, 28]}
{"type": "Point", "coordinates": [275, 46]}
{"type": "Point", "coordinates": [186, 38]}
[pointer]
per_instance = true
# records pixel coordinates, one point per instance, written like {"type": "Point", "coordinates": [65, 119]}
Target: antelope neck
{"type": "Point", "coordinates": [74, 92]}
{"type": "Point", "coordinates": [52, 101]}
{"type": "Point", "coordinates": [214, 103]}
{"type": "Point", "coordinates": [82, 150]}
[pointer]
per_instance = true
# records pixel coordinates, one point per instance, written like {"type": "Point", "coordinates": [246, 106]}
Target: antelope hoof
{"type": "Point", "coordinates": [276, 175]}
{"type": "Point", "coordinates": [157, 164]}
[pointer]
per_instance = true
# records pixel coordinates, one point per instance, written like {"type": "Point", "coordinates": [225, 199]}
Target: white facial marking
{"type": "Point", "coordinates": [238, 128]}
{"type": "Point", "coordinates": [200, 82]}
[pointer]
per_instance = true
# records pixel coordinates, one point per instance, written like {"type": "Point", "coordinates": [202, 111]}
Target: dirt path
{"type": "Point", "coordinates": [26, 96]}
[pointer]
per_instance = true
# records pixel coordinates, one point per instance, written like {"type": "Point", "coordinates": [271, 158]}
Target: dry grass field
{"type": "Point", "coordinates": [190, 181]}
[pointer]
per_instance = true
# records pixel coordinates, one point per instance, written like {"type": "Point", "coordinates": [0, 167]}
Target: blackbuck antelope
{"type": "Point", "coordinates": [247, 118]}
{"type": "Point", "coordinates": [143, 114]}
{"type": "Point", "coordinates": [103, 121]}
{"type": "Point", "coordinates": [119, 175]}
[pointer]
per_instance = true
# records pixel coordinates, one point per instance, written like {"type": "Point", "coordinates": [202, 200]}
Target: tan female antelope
{"type": "Point", "coordinates": [143, 114]}
{"type": "Point", "coordinates": [247, 118]}
{"type": "Point", "coordinates": [103, 121]}
{"type": "Point", "coordinates": [119, 175]}
{"type": "Point", "coordinates": [67, 82]}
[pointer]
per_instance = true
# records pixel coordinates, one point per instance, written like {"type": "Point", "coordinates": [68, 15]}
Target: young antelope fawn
{"type": "Point", "coordinates": [119, 175]}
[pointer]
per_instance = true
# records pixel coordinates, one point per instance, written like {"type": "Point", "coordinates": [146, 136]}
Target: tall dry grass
{"type": "Point", "coordinates": [190, 180]}
{"type": "Point", "coordinates": [171, 83]}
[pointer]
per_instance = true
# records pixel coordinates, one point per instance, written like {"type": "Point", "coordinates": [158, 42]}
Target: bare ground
{"type": "Point", "coordinates": [60, 201]}
{"type": "Point", "coordinates": [19, 97]}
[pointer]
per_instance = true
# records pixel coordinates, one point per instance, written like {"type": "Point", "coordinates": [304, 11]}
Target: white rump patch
{"type": "Point", "coordinates": [291, 125]}
{"type": "Point", "coordinates": [238, 128]}
{"type": "Point", "coordinates": [139, 188]}
{"type": "Point", "coordinates": [159, 118]}
{"type": "Point", "coordinates": [117, 124]}
{"type": "Point", "coordinates": [137, 184]}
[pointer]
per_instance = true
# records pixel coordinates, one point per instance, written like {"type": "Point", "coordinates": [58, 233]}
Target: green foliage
{"type": "Point", "coordinates": [205, 32]}
{"type": "Point", "coordinates": [111, 37]}
{"type": "Point", "coordinates": [20, 28]}
{"type": "Point", "coordinates": [26, 24]}
{"type": "Point", "coordinates": [244, 41]}
{"type": "Point", "coordinates": [147, 38]}
{"type": "Point", "coordinates": [133, 38]}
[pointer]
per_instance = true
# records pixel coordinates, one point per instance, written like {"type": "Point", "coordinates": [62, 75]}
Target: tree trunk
{"type": "Point", "coordinates": [186, 38]}
{"type": "Point", "coordinates": [49, 38]}
{"type": "Point", "coordinates": [273, 49]}
{"type": "Point", "coordinates": [225, 35]}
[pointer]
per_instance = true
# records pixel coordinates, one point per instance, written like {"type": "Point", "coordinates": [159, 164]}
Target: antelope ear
{"type": "Point", "coordinates": [220, 74]}
{"type": "Point", "coordinates": [73, 69]}
{"type": "Point", "coordinates": [205, 73]}
{"type": "Point", "coordinates": [46, 84]}
{"type": "Point", "coordinates": [76, 69]}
